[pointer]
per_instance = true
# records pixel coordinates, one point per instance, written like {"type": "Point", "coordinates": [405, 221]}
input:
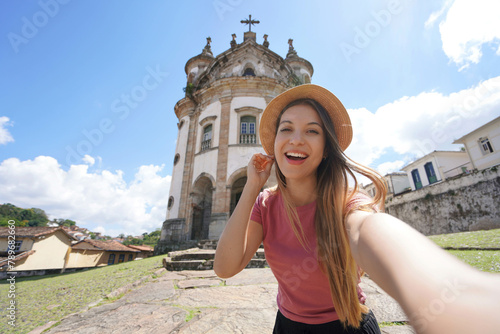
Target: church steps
{"type": "Point", "coordinates": [203, 259]}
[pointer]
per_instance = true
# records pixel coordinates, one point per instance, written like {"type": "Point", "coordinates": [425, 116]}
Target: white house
{"type": "Point", "coordinates": [483, 145]}
{"type": "Point", "coordinates": [397, 183]}
{"type": "Point", "coordinates": [436, 167]}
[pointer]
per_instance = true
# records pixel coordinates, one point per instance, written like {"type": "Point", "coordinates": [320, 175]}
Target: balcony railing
{"type": "Point", "coordinates": [206, 144]}
{"type": "Point", "coordinates": [248, 139]}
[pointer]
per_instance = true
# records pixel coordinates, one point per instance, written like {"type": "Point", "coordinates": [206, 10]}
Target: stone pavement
{"type": "Point", "coordinates": [197, 302]}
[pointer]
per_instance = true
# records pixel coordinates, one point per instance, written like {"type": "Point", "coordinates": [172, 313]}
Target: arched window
{"type": "Point", "coordinates": [170, 202]}
{"type": "Point", "coordinates": [176, 158]}
{"type": "Point", "coordinates": [247, 130]}
{"type": "Point", "coordinates": [206, 141]}
{"type": "Point", "coordinates": [249, 72]}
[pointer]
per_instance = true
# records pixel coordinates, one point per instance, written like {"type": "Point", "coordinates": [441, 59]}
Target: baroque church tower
{"type": "Point", "coordinates": [218, 132]}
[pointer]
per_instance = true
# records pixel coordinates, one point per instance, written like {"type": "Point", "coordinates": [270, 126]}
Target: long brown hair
{"type": "Point", "coordinates": [333, 194]}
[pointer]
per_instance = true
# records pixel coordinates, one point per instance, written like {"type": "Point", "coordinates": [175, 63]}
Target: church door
{"type": "Point", "coordinates": [197, 223]}
{"type": "Point", "coordinates": [207, 214]}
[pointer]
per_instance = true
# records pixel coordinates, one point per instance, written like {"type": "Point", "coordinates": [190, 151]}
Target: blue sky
{"type": "Point", "coordinates": [87, 88]}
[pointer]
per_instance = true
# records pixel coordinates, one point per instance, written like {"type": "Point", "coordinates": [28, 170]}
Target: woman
{"type": "Point", "coordinates": [318, 232]}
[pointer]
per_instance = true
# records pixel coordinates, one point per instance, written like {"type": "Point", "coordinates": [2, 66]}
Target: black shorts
{"type": "Point", "coordinates": [284, 325]}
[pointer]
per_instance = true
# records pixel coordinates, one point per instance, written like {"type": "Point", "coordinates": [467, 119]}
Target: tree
{"type": "Point", "coordinates": [64, 222]}
{"type": "Point", "coordinates": [22, 217]}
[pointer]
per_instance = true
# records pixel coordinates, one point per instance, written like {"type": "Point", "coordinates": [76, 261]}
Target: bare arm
{"type": "Point", "coordinates": [241, 237]}
{"type": "Point", "coordinates": [439, 293]}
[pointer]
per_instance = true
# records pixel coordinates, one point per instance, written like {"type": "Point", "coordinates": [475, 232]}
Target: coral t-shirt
{"type": "Point", "coordinates": [303, 289]}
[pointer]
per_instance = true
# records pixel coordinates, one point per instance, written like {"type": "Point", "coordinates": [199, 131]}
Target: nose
{"type": "Point", "coordinates": [296, 138]}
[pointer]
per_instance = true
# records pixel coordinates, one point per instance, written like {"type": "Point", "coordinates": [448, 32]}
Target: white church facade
{"type": "Point", "coordinates": [218, 132]}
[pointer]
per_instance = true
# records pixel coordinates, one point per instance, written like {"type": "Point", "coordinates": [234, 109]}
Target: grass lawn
{"type": "Point", "coordinates": [477, 239]}
{"type": "Point", "coordinates": [484, 259]}
{"type": "Point", "coordinates": [40, 299]}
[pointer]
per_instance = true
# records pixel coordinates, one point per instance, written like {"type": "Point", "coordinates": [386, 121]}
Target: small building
{"type": "Point", "coordinates": [436, 167]}
{"type": "Point", "coordinates": [145, 251]}
{"type": "Point", "coordinates": [397, 183]}
{"type": "Point", "coordinates": [37, 249]}
{"type": "Point", "coordinates": [95, 253]}
{"type": "Point", "coordinates": [483, 145]}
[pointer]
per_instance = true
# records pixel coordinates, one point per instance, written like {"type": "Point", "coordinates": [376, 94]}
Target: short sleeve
{"type": "Point", "coordinates": [361, 201]}
{"type": "Point", "coordinates": [256, 214]}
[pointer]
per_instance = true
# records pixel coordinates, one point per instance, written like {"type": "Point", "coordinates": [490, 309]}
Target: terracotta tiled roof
{"type": "Point", "coordinates": [31, 232]}
{"type": "Point", "coordinates": [84, 245]}
{"type": "Point", "coordinates": [142, 248]}
{"type": "Point", "coordinates": [4, 260]}
{"type": "Point", "coordinates": [106, 245]}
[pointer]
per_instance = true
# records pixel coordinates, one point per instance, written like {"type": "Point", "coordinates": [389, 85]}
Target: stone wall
{"type": "Point", "coordinates": [464, 203]}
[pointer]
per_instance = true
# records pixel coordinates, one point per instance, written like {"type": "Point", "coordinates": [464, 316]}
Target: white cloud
{"type": "Point", "coordinates": [417, 125]}
{"type": "Point", "coordinates": [5, 136]}
{"type": "Point", "coordinates": [467, 26]}
{"type": "Point", "coordinates": [88, 160]}
{"type": "Point", "coordinates": [437, 14]}
{"type": "Point", "coordinates": [100, 201]}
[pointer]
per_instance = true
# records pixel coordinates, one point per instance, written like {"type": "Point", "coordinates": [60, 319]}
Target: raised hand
{"type": "Point", "coordinates": [259, 169]}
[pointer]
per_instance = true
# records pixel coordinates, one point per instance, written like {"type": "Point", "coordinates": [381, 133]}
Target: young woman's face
{"type": "Point", "coordinates": [300, 142]}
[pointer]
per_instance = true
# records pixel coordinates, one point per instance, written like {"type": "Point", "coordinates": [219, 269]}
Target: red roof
{"type": "Point", "coordinates": [103, 245]}
{"type": "Point", "coordinates": [32, 232]}
{"type": "Point", "coordinates": [142, 248]}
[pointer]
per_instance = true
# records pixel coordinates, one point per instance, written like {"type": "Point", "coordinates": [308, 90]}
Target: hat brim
{"type": "Point", "coordinates": [335, 108]}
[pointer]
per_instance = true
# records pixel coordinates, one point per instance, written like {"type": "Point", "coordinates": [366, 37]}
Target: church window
{"type": "Point", "coordinates": [170, 202]}
{"type": "Point", "coordinates": [485, 145]}
{"type": "Point", "coordinates": [249, 72]}
{"type": "Point", "coordinates": [247, 130]}
{"type": "Point", "coordinates": [176, 158]}
{"type": "Point", "coordinates": [207, 138]}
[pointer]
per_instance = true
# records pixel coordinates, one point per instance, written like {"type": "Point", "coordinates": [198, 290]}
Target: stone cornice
{"type": "Point", "coordinates": [184, 107]}
{"type": "Point", "coordinates": [207, 119]}
{"type": "Point", "coordinates": [242, 86]}
{"type": "Point", "coordinates": [252, 110]}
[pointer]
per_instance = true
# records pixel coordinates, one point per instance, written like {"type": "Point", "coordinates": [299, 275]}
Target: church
{"type": "Point", "coordinates": [218, 131]}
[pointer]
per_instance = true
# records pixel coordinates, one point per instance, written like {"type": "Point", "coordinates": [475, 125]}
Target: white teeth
{"type": "Point", "coordinates": [297, 155]}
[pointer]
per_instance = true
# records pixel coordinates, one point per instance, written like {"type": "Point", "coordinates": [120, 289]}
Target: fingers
{"type": "Point", "coordinates": [262, 162]}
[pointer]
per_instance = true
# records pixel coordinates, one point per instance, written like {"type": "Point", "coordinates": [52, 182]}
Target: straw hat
{"type": "Point", "coordinates": [337, 112]}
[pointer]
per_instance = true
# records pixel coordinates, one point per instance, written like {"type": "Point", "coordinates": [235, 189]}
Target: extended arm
{"type": "Point", "coordinates": [241, 237]}
{"type": "Point", "coordinates": [439, 293]}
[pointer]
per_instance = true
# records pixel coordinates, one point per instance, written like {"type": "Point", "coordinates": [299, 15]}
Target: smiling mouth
{"type": "Point", "coordinates": [296, 156]}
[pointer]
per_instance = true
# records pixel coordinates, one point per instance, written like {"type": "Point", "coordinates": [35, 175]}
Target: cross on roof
{"type": "Point", "coordinates": [250, 22]}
